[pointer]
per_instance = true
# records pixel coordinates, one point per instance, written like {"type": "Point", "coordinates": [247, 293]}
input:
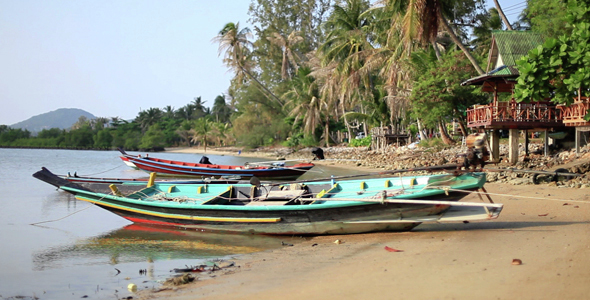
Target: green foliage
{"type": "Point", "coordinates": [103, 139]}
{"type": "Point", "coordinates": [548, 17]}
{"type": "Point", "coordinates": [300, 139]}
{"type": "Point", "coordinates": [433, 145]}
{"type": "Point", "coordinates": [364, 142]}
{"type": "Point", "coordinates": [153, 138]}
{"type": "Point", "coordinates": [438, 94]}
{"type": "Point", "coordinates": [560, 68]}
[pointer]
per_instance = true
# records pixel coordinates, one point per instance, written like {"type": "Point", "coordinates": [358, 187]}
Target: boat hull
{"type": "Point", "coordinates": [341, 220]}
{"type": "Point", "coordinates": [312, 208]}
{"type": "Point", "coordinates": [186, 169]}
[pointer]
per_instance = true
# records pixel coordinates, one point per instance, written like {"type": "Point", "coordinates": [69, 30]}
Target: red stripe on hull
{"type": "Point", "coordinates": [144, 221]}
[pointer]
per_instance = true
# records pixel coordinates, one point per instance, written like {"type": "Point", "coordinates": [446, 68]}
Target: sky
{"type": "Point", "coordinates": [116, 58]}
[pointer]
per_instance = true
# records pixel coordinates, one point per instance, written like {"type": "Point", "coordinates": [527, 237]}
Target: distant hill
{"type": "Point", "coordinates": [62, 118]}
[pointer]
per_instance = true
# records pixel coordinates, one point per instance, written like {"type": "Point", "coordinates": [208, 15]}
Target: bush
{"type": "Point", "coordinates": [364, 142]}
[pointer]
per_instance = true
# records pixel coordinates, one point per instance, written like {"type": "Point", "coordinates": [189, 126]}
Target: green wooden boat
{"type": "Point", "coordinates": [309, 208]}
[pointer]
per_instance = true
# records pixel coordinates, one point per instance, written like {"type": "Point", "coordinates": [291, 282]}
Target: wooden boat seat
{"type": "Point", "coordinates": [277, 197]}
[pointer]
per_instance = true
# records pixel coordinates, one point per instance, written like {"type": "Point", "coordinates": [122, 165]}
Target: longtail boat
{"type": "Point", "coordinates": [276, 170]}
{"type": "Point", "coordinates": [312, 208]}
{"type": "Point", "coordinates": [102, 185]}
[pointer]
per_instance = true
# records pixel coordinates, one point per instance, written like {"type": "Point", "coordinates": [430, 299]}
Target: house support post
{"type": "Point", "coordinates": [546, 143]}
{"type": "Point", "coordinates": [495, 144]}
{"type": "Point", "coordinates": [578, 141]}
{"type": "Point", "coordinates": [526, 143]}
{"type": "Point", "coordinates": [513, 146]}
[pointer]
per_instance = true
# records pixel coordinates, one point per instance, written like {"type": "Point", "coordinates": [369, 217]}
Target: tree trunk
{"type": "Point", "coordinates": [420, 131]}
{"type": "Point", "coordinates": [455, 39]}
{"type": "Point", "coordinates": [444, 135]}
{"type": "Point", "coordinates": [346, 122]}
{"type": "Point", "coordinates": [327, 132]}
{"type": "Point", "coordinates": [262, 86]}
{"type": "Point", "coordinates": [436, 51]}
{"type": "Point", "coordinates": [463, 128]}
{"type": "Point", "coordinates": [502, 15]}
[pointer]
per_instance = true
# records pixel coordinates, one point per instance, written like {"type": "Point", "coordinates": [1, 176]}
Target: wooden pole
{"type": "Point", "coordinates": [513, 146]}
{"type": "Point", "coordinates": [495, 145]}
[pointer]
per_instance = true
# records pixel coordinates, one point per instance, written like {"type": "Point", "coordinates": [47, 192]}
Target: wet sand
{"type": "Point", "coordinates": [544, 226]}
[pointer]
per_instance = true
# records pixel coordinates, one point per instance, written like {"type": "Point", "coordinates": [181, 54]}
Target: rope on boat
{"type": "Point", "coordinates": [88, 175]}
{"type": "Point", "coordinates": [516, 196]}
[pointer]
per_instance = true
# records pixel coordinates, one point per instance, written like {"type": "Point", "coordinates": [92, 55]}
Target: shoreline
{"type": "Point", "coordinates": [540, 225]}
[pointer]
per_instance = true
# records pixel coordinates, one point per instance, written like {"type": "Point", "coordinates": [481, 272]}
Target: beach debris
{"type": "Point", "coordinates": [566, 204]}
{"type": "Point", "coordinates": [286, 244]}
{"type": "Point", "coordinates": [544, 215]}
{"type": "Point", "coordinates": [314, 245]}
{"type": "Point", "coordinates": [118, 271]}
{"type": "Point", "coordinates": [392, 250]}
{"type": "Point", "coordinates": [180, 280]}
{"type": "Point", "coordinates": [203, 268]}
{"type": "Point", "coordinates": [337, 242]}
{"type": "Point", "coordinates": [132, 287]}
{"type": "Point", "coordinates": [516, 262]}
{"type": "Point", "coordinates": [142, 271]}
{"type": "Point", "coordinates": [576, 206]}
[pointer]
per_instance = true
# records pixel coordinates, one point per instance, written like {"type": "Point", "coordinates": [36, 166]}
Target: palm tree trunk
{"type": "Point", "coordinates": [262, 86]}
{"type": "Point", "coordinates": [455, 39]}
{"type": "Point", "coordinates": [444, 135]}
{"type": "Point", "coordinates": [502, 15]}
{"type": "Point", "coordinates": [327, 132]}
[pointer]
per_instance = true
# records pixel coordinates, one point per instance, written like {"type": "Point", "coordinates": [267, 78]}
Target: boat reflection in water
{"type": "Point", "coordinates": [141, 243]}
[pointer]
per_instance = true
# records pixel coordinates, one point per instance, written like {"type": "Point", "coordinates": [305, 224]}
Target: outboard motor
{"type": "Point", "coordinates": [205, 160]}
{"type": "Point", "coordinates": [318, 153]}
{"type": "Point", "coordinates": [477, 153]}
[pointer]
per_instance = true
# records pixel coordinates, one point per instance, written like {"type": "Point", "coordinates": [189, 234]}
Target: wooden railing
{"type": "Point", "coordinates": [573, 115]}
{"type": "Point", "coordinates": [513, 112]}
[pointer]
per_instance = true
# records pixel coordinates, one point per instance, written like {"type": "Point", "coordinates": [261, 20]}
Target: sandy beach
{"type": "Point", "coordinates": [543, 226]}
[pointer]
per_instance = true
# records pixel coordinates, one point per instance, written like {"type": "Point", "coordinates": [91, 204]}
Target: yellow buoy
{"type": "Point", "coordinates": [132, 287]}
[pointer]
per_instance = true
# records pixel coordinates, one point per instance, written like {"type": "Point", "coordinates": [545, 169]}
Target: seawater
{"type": "Point", "coordinates": [56, 247]}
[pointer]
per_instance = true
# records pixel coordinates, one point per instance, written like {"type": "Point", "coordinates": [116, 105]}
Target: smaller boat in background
{"type": "Point", "coordinates": [125, 185]}
{"type": "Point", "coordinates": [263, 170]}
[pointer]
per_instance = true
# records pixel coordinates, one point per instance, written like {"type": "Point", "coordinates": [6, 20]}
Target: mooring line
{"type": "Point", "coordinates": [62, 217]}
{"type": "Point", "coordinates": [517, 196]}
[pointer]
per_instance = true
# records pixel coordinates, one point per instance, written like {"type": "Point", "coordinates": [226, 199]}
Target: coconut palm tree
{"type": "Point", "coordinates": [289, 56]}
{"type": "Point", "coordinates": [235, 45]}
{"type": "Point", "coordinates": [149, 117]}
{"type": "Point", "coordinates": [347, 47]}
{"type": "Point", "coordinates": [201, 131]}
{"type": "Point", "coordinates": [502, 15]}
{"type": "Point", "coordinates": [420, 20]}
{"type": "Point", "coordinates": [304, 101]}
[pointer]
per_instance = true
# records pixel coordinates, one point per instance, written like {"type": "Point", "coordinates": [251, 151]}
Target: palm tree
{"type": "Point", "coordinates": [169, 112]}
{"type": "Point", "coordinates": [221, 132]}
{"type": "Point", "coordinates": [234, 42]}
{"type": "Point", "coordinates": [201, 131]}
{"type": "Point", "coordinates": [221, 110]}
{"type": "Point", "coordinates": [305, 102]}
{"type": "Point", "coordinates": [199, 108]}
{"type": "Point", "coordinates": [289, 56]}
{"type": "Point", "coordinates": [502, 15]}
{"type": "Point", "coordinates": [348, 45]}
{"type": "Point", "coordinates": [419, 20]}
{"type": "Point", "coordinates": [148, 118]}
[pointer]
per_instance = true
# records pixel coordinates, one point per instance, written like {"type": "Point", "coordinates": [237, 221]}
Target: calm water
{"type": "Point", "coordinates": [78, 249]}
